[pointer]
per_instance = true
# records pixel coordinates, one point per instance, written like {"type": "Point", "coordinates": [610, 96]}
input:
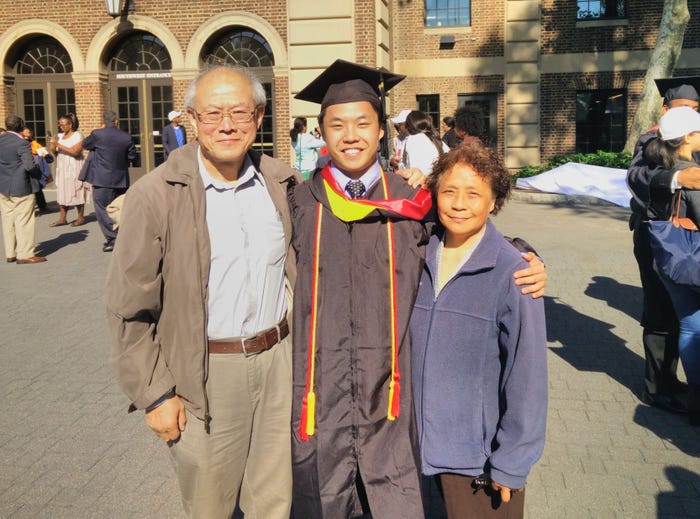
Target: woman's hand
{"type": "Point", "coordinates": [504, 491]}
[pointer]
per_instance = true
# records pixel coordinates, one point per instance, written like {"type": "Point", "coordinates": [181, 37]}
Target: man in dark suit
{"type": "Point", "coordinates": [17, 166]}
{"type": "Point", "coordinates": [107, 169]}
{"type": "Point", "coordinates": [174, 134]}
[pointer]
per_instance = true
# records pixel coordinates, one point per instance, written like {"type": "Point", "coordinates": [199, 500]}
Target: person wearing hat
{"type": "Point", "coordinates": [399, 141]}
{"type": "Point", "coordinates": [662, 388]}
{"type": "Point", "coordinates": [174, 135]}
{"type": "Point", "coordinates": [359, 236]}
{"type": "Point", "coordinates": [678, 139]}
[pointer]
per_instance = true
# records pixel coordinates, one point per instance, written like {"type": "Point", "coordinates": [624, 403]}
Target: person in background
{"type": "Point", "coordinates": [43, 158]}
{"type": "Point", "coordinates": [423, 145]}
{"type": "Point", "coordinates": [449, 136]}
{"type": "Point", "coordinates": [678, 138]}
{"type": "Point", "coordinates": [479, 365]}
{"type": "Point", "coordinates": [107, 170]}
{"type": "Point", "coordinates": [661, 388]}
{"type": "Point", "coordinates": [17, 167]}
{"type": "Point", "coordinates": [305, 147]}
{"type": "Point", "coordinates": [174, 135]}
{"type": "Point", "coordinates": [469, 123]}
{"type": "Point", "coordinates": [399, 141]}
{"type": "Point", "coordinates": [70, 191]}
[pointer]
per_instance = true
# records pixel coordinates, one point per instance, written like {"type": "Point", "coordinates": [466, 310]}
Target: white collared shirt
{"type": "Point", "coordinates": [246, 278]}
{"type": "Point", "coordinates": [369, 178]}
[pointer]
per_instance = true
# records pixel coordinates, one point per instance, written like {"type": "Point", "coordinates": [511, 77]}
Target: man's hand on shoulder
{"type": "Point", "coordinates": [534, 278]}
{"type": "Point", "coordinates": [168, 419]}
{"type": "Point", "coordinates": [413, 176]}
{"type": "Point", "coordinates": [690, 177]}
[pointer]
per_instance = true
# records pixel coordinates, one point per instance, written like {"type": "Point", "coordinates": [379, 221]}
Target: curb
{"type": "Point", "coordinates": [540, 197]}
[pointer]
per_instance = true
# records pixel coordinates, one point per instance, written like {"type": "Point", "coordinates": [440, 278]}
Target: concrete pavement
{"type": "Point", "coordinates": [68, 449]}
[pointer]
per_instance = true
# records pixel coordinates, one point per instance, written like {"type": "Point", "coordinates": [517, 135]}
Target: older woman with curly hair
{"type": "Point", "coordinates": [478, 346]}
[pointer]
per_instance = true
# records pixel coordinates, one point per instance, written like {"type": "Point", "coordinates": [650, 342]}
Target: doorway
{"type": "Point", "coordinates": [142, 104]}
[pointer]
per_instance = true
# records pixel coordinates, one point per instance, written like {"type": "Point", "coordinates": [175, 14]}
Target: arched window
{"type": "Point", "coordinates": [43, 83]}
{"type": "Point", "coordinates": [247, 48]}
{"type": "Point", "coordinates": [43, 56]}
{"type": "Point", "coordinates": [239, 46]}
{"type": "Point", "coordinates": [140, 51]}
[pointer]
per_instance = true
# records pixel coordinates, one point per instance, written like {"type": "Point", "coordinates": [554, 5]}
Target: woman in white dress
{"type": "Point", "coordinates": [70, 192]}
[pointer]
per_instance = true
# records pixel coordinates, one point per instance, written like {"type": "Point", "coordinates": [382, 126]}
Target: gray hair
{"type": "Point", "coordinates": [109, 117]}
{"type": "Point", "coordinates": [259, 96]}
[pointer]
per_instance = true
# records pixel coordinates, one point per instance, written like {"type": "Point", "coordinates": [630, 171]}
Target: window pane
{"type": "Point", "coordinates": [445, 13]}
{"type": "Point", "coordinates": [600, 120]}
{"type": "Point", "coordinates": [596, 9]}
{"type": "Point", "coordinates": [430, 105]}
{"type": "Point", "coordinates": [264, 140]}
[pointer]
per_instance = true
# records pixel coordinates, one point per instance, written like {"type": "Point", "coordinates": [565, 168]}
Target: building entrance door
{"type": "Point", "coordinates": [142, 104]}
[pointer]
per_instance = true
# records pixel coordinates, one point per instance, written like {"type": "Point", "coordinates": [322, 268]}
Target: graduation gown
{"type": "Point", "coordinates": [348, 318]}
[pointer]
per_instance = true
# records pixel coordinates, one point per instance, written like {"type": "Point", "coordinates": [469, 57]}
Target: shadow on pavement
{"type": "Point", "coordinates": [48, 247]}
{"type": "Point", "coordinates": [672, 428]}
{"type": "Point", "coordinates": [625, 298]}
{"type": "Point", "coordinates": [683, 500]}
{"type": "Point", "coordinates": [589, 345]}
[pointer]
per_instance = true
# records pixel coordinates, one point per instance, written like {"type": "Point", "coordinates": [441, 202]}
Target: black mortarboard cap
{"type": "Point", "coordinates": [347, 82]}
{"type": "Point", "coordinates": [682, 87]}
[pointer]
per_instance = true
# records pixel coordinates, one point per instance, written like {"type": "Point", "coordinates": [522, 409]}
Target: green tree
{"type": "Point", "coordinates": [664, 57]}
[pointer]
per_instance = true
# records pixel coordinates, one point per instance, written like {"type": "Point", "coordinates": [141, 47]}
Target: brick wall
{"type": "Point", "coordinates": [181, 19]}
{"type": "Point", "coordinates": [560, 33]}
{"type": "Point", "coordinates": [404, 95]}
{"type": "Point", "coordinates": [412, 40]}
{"type": "Point", "coordinates": [365, 32]}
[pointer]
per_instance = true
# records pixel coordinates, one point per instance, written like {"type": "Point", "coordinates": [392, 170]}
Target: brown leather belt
{"type": "Point", "coordinates": [255, 344]}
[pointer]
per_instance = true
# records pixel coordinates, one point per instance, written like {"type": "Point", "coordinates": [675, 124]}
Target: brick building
{"type": "Point", "coordinates": [551, 76]}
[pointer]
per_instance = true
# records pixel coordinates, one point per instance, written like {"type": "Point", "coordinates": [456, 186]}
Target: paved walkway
{"type": "Point", "coordinates": [69, 450]}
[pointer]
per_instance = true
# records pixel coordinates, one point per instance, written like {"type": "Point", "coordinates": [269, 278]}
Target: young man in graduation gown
{"type": "Point", "coordinates": [359, 235]}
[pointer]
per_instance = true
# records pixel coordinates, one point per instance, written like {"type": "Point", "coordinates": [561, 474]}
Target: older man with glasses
{"type": "Point", "coordinates": [197, 305]}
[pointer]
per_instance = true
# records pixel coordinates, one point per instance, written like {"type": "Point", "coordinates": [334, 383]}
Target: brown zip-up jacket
{"type": "Point", "coordinates": [157, 282]}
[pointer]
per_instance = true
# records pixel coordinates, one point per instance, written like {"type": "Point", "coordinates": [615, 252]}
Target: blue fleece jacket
{"type": "Point", "coordinates": [479, 367]}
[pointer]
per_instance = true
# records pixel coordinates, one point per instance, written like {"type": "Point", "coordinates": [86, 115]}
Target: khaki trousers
{"type": "Point", "coordinates": [18, 225]}
{"type": "Point", "coordinates": [249, 446]}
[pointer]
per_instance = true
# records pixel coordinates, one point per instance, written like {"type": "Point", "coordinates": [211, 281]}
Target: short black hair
{"type": "Point", "coordinates": [470, 119]}
{"type": "Point", "coordinates": [73, 120]}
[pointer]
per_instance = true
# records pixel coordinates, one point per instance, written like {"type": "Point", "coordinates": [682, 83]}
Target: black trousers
{"type": "Point", "coordinates": [40, 199]}
{"type": "Point", "coordinates": [102, 197]}
{"type": "Point", "coordinates": [659, 321]}
{"type": "Point", "coordinates": [464, 501]}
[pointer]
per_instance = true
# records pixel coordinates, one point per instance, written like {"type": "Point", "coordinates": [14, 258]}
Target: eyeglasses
{"type": "Point", "coordinates": [216, 116]}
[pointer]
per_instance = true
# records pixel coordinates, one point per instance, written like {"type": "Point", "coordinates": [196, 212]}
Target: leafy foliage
{"type": "Point", "coordinates": [607, 159]}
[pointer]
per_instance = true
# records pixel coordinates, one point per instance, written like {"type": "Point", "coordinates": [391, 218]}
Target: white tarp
{"type": "Point", "coordinates": [582, 179]}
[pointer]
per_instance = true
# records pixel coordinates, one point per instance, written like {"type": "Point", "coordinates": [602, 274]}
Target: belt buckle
{"type": "Point", "coordinates": [245, 352]}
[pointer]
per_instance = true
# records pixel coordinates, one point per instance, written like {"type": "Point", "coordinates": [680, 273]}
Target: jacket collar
{"type": "Point", "coordinates": [483, 258]}
{"type": "Point", "coordinates": [184, 168]}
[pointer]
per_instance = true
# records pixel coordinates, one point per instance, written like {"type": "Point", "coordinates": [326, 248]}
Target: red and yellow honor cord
{"type": "Point", "coordinates": [352, 210]}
